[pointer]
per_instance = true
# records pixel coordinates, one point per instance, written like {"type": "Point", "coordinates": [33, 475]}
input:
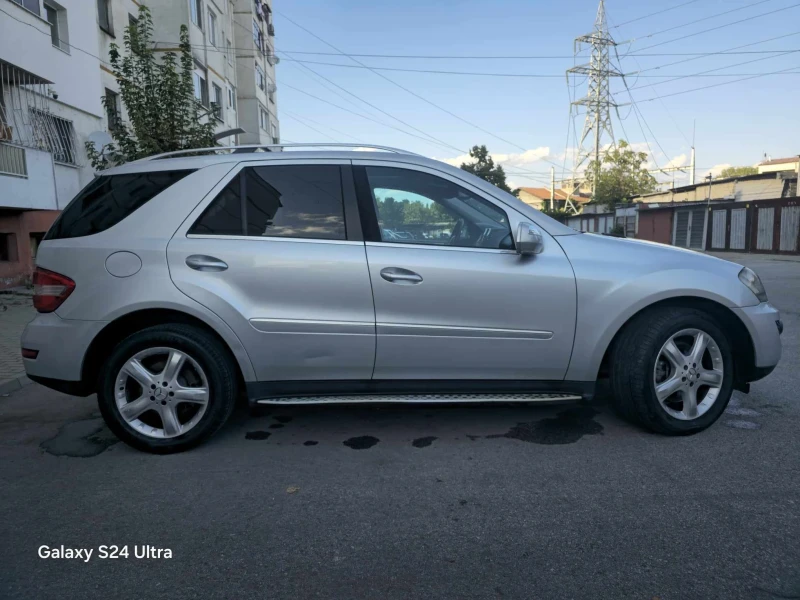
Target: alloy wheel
{"type": "Point", "coordinates": [688, 374]}
{"type": "Point", "coordinates": [161, 392]}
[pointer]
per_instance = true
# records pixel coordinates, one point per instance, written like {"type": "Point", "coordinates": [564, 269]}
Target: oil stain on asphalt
{"type": "Point", "coordinates": [257, 435]}
{"type": "Point", "coordinates": [361, 442]}
{"type": "Point", "coordinates": [80, 439]}
{"type": "Point", "coordinates": [423, 442]}
{"type": "Point", "coordinates": [567, 427]}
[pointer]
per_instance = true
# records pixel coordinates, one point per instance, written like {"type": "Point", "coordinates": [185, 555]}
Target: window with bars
{"type": "Point", "coordinates": [56, 135]}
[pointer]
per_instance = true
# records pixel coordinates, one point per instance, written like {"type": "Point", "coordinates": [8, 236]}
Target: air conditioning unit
{"type": "Point", "coordinates": [272, 59]}
{"type": "Point", "coordinates": [271, 88]}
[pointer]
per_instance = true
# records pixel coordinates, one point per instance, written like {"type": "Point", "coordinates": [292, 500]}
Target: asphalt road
{"type": "Point", "coordinates": [415, 502]}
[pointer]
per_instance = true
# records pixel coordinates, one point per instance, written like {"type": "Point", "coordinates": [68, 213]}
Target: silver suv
{"type": "Point", "coordinates": [172, 285]}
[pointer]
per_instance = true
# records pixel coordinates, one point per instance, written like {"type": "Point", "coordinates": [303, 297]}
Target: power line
{"type": "Point", "coordinates": [655, 13]}
{"type": "Point", "coordinates": [446, 111]}
{"type": "Point", "coordinates": [484, 74]}
{"type": "Point", "coordinates": [708, 72]}
{"type": "Point", "coordinates": [683, 37]}
{"type": "Point", "coordinates": [302, 122]}
{"type": "Point", "coordinates": [705, 87]}
{"type": "Point", "coordinates": [305, 118]}
{"type": "Point", "coordinates": [724, 52]}
{"type": "Point", "coordinates": [484, 57]}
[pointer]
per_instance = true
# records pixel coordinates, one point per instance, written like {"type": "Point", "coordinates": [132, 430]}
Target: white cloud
{"type": "Point", "coordinates": [525, 159]}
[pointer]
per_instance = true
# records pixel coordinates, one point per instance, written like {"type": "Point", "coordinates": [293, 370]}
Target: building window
{"type": "Point", "coordinates": [8, 247]}
{"type": "Point", "coordinates": [196, 8]}
{"type": "Point", "coordinates": [231, 98]}
{"type": "Point", "coordinates": [55, 134]}
{"type": "Point", "coordinates": [132, 21]}
{"type": "Point", "coordinates": [260, 79]}
{"type": "Point", "coordinates": [112, 109]}
{"type": "Point", "coordinates": [31, 5]}
{"type": "Point", "coordinates": [256, 34]}
{"type": "Point", "coordinates": [104, 16]}
{"type": "Point", "coordinates": [229, 51]}
{"type": "Point", "coordinates": [200, 87]}
{"type": "Point", "coordinates": [57, 17]}
{"type": "Point", "coordinates": [212, 27]}
{"type": "Point", "coordinates": [275, 139]}
{"type": "Point", "coordinates": [217, 101]}
{"type": "Point", "coordinates": [263, 119]}
{"type": "Point", "coordinates": [271, 91]}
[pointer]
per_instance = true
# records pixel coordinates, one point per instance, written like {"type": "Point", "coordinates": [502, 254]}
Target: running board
{"type": "Point", "coordinates": [417, 398]}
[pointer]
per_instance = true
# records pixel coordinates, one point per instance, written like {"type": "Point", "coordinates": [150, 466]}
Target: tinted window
{"type": "Point", "coordinates": [108, 200]}
{"type": "Point", "coordinates": [299, 201]}
{"type": "Point", "coordinates": [418, 208]}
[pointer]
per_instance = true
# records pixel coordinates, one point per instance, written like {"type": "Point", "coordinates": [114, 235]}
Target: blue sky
{"type": "Point", "coordinates": [735, 124]}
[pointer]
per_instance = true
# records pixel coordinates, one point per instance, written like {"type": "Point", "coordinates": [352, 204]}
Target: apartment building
{"type": "Point", "coordinates": [254, 46]}
{"type": "Point", "coordinates": [49, 103]}
{"type": "Point", "coordinates": [54, 72]}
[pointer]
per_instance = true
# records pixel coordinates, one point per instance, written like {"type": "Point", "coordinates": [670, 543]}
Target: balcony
{"type": "Point", "coordinates": [26, 121]}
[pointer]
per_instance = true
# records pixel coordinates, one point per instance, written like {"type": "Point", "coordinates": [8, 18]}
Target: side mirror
{"type": "Point", "coordinates": [528, 239]}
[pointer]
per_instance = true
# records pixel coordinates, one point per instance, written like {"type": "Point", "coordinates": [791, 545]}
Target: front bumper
{"type": "Point", "coordinates": [763, 322]}
{"type": "Point", "coordinates": [62, 346]}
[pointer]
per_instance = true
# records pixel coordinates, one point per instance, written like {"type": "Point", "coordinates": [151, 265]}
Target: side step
{"type": "Point", "coordinates": [418, 398]}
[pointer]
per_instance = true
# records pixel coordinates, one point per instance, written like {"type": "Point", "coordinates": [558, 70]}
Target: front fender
{"type": "Point", "coordinates": [616, 280]}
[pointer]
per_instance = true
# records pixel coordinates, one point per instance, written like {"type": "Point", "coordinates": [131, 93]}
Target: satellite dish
{"type": "Point", "coordinates": [101, 141]}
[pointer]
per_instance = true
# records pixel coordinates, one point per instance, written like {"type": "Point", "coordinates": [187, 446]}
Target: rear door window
{"type": "Point", "coordinates": [108, 200]}
{"type": "Point", "coordinates": [295, 201]}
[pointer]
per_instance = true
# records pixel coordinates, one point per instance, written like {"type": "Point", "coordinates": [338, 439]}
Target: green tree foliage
{"type": "Point", "coordinates": [396, 214]}
{"type": "Point", "coordinates": [737, 172]}
{"type": "Point", "coordinates": [622, 174]}
{"type": "Point", "coordinates": [485, 168]}
{"type": "Point", "coordinates": [158, 95]}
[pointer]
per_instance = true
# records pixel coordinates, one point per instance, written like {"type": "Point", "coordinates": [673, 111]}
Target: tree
{"type": "Point", "coordinates": [485, 168]}
{"type": "Point", "coordinates": [621, 175]}
{"type": "Point", "coordinates": [159, 98]}
{"type": "Point", "coordinates": [737, 172]}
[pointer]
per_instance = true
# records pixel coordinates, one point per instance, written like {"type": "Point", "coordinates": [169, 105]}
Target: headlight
{"type": "Point", "coordinates": [753, 283]}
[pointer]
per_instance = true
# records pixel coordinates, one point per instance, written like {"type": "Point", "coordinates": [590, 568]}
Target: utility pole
{"type": "Point", "coordinates": [552, 188]}
{"type": "Point", "coordinates": [710, 178]}
{"type": "Point", "coordinates": [598, 100]}
{"type": "Point", "coordinates": [691, 172]}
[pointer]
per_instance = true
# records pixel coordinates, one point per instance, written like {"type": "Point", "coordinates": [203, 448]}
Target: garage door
{"type": "Point", "coordinates": [719, 223]}
{"type": "Point", "coordinates": [766, 222]}
{"type": "Point", "coordinates": [790, 223]}
{"type": "Point", "coordinates": [690, 228]}
{"type": "Point", "coordinates": [738, 228]}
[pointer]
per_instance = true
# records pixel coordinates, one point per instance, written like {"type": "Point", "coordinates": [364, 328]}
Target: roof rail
{"type": "Point", "coordinates": [269, 148]}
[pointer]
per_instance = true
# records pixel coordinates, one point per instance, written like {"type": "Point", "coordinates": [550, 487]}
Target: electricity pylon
{"type": "Point", "coordinates": [597, 128]}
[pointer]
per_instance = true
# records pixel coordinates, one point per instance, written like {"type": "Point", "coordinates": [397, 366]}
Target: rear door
{"type": "Point", "coordinates": [453, 299]}
{"type": "Point", "coordinates": [276, 250]}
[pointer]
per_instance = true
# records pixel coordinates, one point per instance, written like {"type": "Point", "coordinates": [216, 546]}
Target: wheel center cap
{"type": "Point", "coordinates": [692, 374]}
{"type": "Point", "coordinates": [160, 393]}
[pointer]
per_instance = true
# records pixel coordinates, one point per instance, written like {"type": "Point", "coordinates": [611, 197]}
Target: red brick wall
{"type": "Point", "coordinates": [22, 225]}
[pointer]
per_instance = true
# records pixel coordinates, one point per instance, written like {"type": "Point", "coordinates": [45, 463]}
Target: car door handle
{"type": "Point", "coordinates": [398, 275]}
{"type": "Point", "coordinates": [200, 262]}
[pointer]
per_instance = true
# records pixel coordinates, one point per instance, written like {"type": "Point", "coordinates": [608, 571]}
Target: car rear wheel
{"type": "Point", "coordinates": [167, 388]}
{"type": "Point", "coordinates": [672, 371]}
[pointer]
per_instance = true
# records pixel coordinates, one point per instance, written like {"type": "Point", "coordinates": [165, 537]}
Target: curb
{"type": "Point", "coordinates": [7, 386]}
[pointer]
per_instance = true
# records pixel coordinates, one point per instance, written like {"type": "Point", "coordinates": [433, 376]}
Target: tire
{"type": "Point", "coordinates": [200, 396]}
{"type": "Point", "coordinates": [635, 373]}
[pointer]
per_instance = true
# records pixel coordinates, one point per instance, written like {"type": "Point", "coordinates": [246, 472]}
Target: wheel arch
{"type": "Point", "coordinates": [739, 337]}
{"type": "Point", "coordinates": [124, 325]}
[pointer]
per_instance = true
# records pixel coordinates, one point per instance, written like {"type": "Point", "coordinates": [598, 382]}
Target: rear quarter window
{"type": "Point", "coordinates": [109, 199]}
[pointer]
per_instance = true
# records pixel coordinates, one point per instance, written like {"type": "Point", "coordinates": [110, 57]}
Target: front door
{"type": "Point", "coordinates": [278, 254]}
{"type": "Point", "coordinates": [453, 300]}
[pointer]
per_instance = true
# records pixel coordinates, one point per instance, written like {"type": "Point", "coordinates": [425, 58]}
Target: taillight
{"type": "Point", "coordinates": [50, 290]}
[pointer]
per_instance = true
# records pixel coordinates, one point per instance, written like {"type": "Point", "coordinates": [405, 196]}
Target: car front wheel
{"type": "Point", "coordinates": [672, 371]}
{"type": "Point", "coordinates": [167, 388]}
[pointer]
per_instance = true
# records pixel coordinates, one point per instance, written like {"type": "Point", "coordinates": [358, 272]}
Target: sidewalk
{"type": "Point", "coordinates": [740, 256]}
{"type": "Point", "coordinates": [16, 310]}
